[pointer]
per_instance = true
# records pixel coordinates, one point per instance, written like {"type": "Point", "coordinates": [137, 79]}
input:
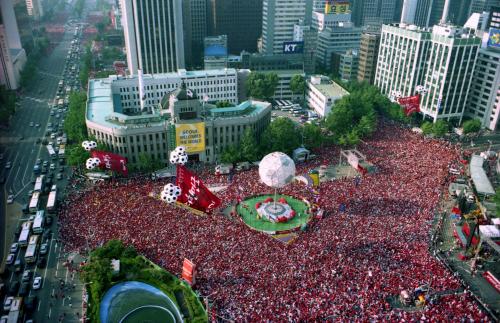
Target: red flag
{"type": "Point", "coordinates": [194, 193]}
{"type": "Point", "coordinates": [111, 161]}
{"type": "Point", "coordinates": [410, 104]}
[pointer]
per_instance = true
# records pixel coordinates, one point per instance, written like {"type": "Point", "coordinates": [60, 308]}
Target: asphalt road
{"type": "Point", "coordinates": [18, 145]}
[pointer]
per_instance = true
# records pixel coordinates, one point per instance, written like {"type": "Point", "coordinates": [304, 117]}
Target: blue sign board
{"type": "Point", "coordinates": [293, 47]}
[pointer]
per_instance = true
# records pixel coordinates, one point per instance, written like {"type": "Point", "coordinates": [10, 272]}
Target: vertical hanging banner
{"type": "Point", "coordinates": [410, 104]}
{"type": "Point", "coordinates": [111, 161]}
{"type": "Point", "coordinates": [189, 271]}
{"type": "Point", "coordinates": [194, 193]}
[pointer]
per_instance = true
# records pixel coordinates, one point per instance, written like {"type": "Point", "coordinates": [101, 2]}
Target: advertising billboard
{"type": "Point", "coordinates": [337, 7]}
{"type": "Point", "coordinates": [494, 38]}
{"type": "Point", "coordinates": [293, 47]}
{"type": "Point", "coordinates": [191, 135]}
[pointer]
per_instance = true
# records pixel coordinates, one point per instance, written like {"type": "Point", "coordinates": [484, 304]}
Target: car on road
{"type": "Point", "coordinates": [10, 259]}
{"type": "Point", "coordinates": [37, 283]}
{"type": "Point", "coordinates": [44, 249]}
{"type": "Point", "coordinates": [45, 163]}
{"type": "Point", "coordinates": [48, 220]}
{"type": "Point", "coordinates": [26, 276]}
{"type": "Point", "coordinates": [46, 234]}
{"type": "Point", "coordinates": [37, 125]}
{"type": "Point", "coordinates": [32, 124]}
{"type": "Point", "coordinates": [10, 199]}
{"type": "Point", "coordinates": [38, 140]}
{"type": "Point", "coordinates": [59, 176]}
{"type": "Point", "coordinates": [8, 165]}
{"type": "Point", "coordinates": [1, 156]}
{"type": "Point", "coordinates": [30, 305]}
{"type": "Point", "coordinates": [41, 262]}
{"type": "Point", "coordinates": [25, 288]}
{"type": "Point", "coordinates": [14, 287]}
{"type": "Point", "coordinates": [2, 179]}
{"type": "Point", "coordinates": [61, 169]}
{"type": "Point", "coordinates": [14, 247]}
{"type": "Point", "coordinates": [44, 170]}
{"type": "Point", "coordinates": [7, 303]}
{"type": "Point", "coordinates": [58, 116]}
{"type": "Point", "coordinates": [52, 166]}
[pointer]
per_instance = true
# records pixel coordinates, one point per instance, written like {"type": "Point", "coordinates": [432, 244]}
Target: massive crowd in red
{"type": "Point", "coordinates": [344, 267]}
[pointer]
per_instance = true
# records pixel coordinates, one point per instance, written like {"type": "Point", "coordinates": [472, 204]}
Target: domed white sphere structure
{"type": "Point", "coordinates": [276, 169]}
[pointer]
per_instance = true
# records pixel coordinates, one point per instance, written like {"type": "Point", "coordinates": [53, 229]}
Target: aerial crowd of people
{"type": "Point", "coordinates": [371, 245]}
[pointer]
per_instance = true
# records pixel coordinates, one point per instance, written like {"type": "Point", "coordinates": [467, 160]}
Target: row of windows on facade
{"type": "Point", "coordinates": [158, 95]}
{"type": "Point", "coordinates": [175, 85]}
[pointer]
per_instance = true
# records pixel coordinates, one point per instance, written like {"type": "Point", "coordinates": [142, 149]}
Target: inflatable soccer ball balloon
{"type": "Point", "coordinates": [169, 188]}
{"type": "Point", "coordinates": [177, 191]}
{"type": "Point", "coordinates": [86, 145]}
{"type": "Point", "coordinates": [164, 196]}
{"type": "Point", "coordinates": [183, 159]}
{"type": "Point", "coordinates": [180, 149]}
{"type": "Point", "coordinates": [276, 169]}
{"type": "Point", "coordinates": [171, 198]}
{"type": "Point", "coordinates": [92, 144]}
{"type": "Point", "coordinates": [174, 157]}
{"type": "Point", "coordinates": [90, 164]}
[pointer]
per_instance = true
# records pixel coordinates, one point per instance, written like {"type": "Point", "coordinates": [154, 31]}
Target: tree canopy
{"type": "Point", "coordinates": [471, 126]}
{"type": "Point", "coordinates": [261, 85]}
{"type": "Point", "coordinates": [7, 105]}
{"type": "Point", "coordinates": [298, 84]}
{"type": "Point", "coordinates": [281, 135]}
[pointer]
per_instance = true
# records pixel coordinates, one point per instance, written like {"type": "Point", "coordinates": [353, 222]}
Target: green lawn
{"type": "Point", "coordinates": [265, 225]}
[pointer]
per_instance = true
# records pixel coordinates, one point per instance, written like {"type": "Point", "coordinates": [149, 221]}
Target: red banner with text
{"type": "Point", "coordinates": [111, 161]}
{"type": "Point", "coordinates": [410, 104]}
{"type": "Point", "coordinates": [194, 193]}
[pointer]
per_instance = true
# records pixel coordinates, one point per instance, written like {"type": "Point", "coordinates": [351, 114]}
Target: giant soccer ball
{"type": "Point", "coordinates": [276, 169]}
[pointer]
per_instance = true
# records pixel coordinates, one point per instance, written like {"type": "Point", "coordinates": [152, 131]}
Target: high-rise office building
{"type": "Point", "coordinates": [241, 21]}
{"type": "Point", "coordinates": [484, 96]}
{"type": "Point", "coordinates": [483, 5]}
{"type": "Point", "coordinates": [12, 54]}
{"type": "Point", "coordinates": [34, 8]}
{"type": "Point", "coordinates": [450, 66]}
{"type": "Point", "coordinates": [153, 35]}
{"type": "Point", "coordinates": [494, 18]}
{"type": "Point", "coordinates": [336, 40]}
{"type": "Point", "coordinates": [368, 51]}
{"type": "Point", "coordinates": [195, 30]}
{"type": "Point", "coordinates": [441, 60]}
{"type": "Point", "coordinates": [375, 12]}
{"type": "Point", "coordinates": [278, 20]}
{"type": "Point", "coordinates": [417, 12]}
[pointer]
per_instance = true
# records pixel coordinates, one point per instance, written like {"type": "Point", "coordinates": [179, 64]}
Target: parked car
{"type": "Point", "coordinates": [10, 199]}
{"type": "Point", "coordinates": [10, 259]}
{"type": "Point", "coordinates": [25, 288]}
{"type": "Point", "coordinates": [26, 275]}
{"type": "Point", "coordinates": [44, 249]}
{"type": "Point", "coordinates": [8, 165]}
{"type": "Point", "coordinates": [14, 247]}
{"type": "Point", "coordinates": [14, 287]}
{"type": "Point", "coordinates": [7, 303]}
{"type": "Point", "coordinates": [37, 283]}
{"type": "Point", "coordinates": [48, 220]}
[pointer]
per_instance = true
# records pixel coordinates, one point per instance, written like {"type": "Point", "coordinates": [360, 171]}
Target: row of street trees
{"type": "Point", "coordinates": [7, 105]}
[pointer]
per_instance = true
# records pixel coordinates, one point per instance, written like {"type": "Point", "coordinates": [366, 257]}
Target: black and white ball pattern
{"type": "Point", "coordinates": [92, 163]}
{"type": "Point", "coordinates": [178, 156]}
{"type": "Point", "coordinates": [89, 145]}
{"type": "Point", "coordinates": [170, 193]}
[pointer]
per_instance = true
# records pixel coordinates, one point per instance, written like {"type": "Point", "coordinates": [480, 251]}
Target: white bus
{"type": "Point", "coordinates": [30, 255]}
{"type": "Point", "coordinates": [35, 202]}
{"type": "Point", "coordinates": [38, 222]}
{"type": "Point", "coordinates": [52, 201]}
{"type": "Point", "coordinates": [51, 151]}
{"type": "Point", "coordinates": [61, 152]}
{"type": "Point", "coordinates": [40, 181]}
{"type": "Point", "coordinates": [25, 234]}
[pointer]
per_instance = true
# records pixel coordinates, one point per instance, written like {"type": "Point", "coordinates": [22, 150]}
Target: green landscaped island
{"type": "Point", "coordinates": [246, 209]}
{"type": "Point", "coordinates": [137, 291]}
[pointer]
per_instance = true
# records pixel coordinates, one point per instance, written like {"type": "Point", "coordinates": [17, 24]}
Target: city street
{"type": "Point", "coordinates": [60, 295]}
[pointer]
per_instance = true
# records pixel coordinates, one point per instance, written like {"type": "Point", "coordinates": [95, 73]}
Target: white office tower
{"type": "Point", "coordinates": [401, 59]}
{"type": "Point", "coordinates": [409, 11]}
{"type": "Point", "coordinates": [153, 35]}
{"type": "Point", "coordinates": [442, 60]}
{"type": "Point", "coordinates": [484, 96]}
{"type": "Point", "coordinates": [34, 8]}
{"type": "Point", "coordinates": [12, 54]}
{"type": "Point", "coordinates": [452, 56]}
{"type": "Point", "coordinates": [278, 19]}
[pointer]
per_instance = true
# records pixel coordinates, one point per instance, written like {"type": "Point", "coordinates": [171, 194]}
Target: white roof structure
{"type": "Point", "coordinates": [479, 177]}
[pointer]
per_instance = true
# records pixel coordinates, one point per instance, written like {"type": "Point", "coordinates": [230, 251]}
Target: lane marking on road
{"type": "Point", "coordinates": [10, 171]}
